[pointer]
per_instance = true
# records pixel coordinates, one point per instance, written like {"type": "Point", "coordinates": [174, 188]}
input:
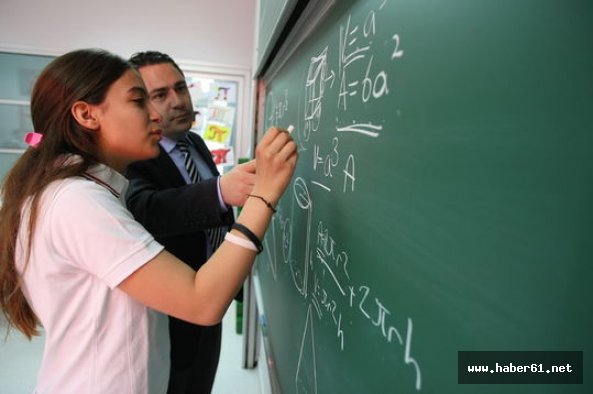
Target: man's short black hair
{"type": "Point", "coordinates": [147, 58]}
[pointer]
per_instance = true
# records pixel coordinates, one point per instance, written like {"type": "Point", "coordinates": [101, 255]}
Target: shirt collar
{"type": "Point", "coordinates": [168, 143]}
{"type": "Point", "coordinates": [106, 176]}
{"type": "Point", "coordinates": [103, 175]}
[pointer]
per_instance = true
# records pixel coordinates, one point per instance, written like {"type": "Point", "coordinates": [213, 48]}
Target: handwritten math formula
{"type": "Point", "coordinates": [321, 274]}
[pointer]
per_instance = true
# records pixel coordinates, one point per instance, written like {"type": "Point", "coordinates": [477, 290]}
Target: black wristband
{"type": "Point", "coordinates": [249, 234]}
{"type": "Point", "coordinates": [264, 200]}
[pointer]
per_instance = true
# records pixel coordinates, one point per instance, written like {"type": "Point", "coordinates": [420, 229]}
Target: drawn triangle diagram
{"type": "Point", "coordinates": [306, 374]}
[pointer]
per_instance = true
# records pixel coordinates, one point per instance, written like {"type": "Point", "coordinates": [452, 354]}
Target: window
{"type": "Point", "coordinates": [18, 73]}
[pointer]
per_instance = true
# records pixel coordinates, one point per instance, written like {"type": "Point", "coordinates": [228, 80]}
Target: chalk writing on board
{"type": "Point", "coordinates": [334, 260]}
{"type": "Point", "coordinates": [306, 373]}
{"type": "Point", "coordinates": [280, 106]}
{"type": "Point", "coordinates": [303, 199]}
{"type": "Point", "coordinates": [329, 259]}
{"type": "Point", "coordinates": [322, 273]}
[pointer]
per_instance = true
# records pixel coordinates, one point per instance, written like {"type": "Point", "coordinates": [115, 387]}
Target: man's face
{"type": "Point", "coordinates": [168, 93]}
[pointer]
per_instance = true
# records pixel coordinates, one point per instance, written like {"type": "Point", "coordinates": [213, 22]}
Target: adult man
{"type": "Point", "coordinates": [186, 210]}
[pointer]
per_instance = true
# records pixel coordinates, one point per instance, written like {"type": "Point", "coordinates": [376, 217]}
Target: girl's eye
{"type": "Point", "coordinates": [139, 101]}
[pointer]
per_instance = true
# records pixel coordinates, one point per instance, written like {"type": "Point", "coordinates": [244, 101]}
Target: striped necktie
{"type": "Point", "coordinates": [216, 234]}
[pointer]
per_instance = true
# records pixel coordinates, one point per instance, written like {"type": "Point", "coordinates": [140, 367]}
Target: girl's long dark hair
{"type": "Point", "coordinates": [82, 75]}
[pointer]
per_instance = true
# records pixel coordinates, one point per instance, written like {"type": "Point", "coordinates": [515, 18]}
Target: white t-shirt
{"type": "Point", "coordinates": [97, 338]}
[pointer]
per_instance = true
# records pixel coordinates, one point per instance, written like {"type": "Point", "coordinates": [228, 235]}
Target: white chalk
{"type": "Point", "coordinates": [290, 129]}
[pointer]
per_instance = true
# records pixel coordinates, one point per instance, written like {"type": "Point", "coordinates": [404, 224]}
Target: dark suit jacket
{"type": "Point", "coordinates": [177, 214]}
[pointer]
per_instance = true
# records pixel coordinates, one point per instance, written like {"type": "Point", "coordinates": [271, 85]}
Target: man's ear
{"type": "Point", "coordinates": [84, 114]}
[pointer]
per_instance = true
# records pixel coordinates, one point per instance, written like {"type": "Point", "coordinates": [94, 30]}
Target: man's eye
{"type": "Point", "coordinates": [158, 96]}
{"type": "Point", "coordinates": [182, 88]}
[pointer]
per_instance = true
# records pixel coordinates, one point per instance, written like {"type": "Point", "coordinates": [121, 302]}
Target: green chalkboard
{"type": "Point", "coordinates": [273, 14]}
{"type": "Point", "coordinates": [443, 199]}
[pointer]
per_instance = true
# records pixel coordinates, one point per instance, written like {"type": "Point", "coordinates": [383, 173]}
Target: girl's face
{"type": "Point", "coordinates": [129, 128]}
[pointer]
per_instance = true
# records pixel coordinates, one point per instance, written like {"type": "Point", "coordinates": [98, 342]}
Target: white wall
{"type": "Point", "coordinates": [214, 36]}
{"type": "Point", "coordinates": [209, 31]}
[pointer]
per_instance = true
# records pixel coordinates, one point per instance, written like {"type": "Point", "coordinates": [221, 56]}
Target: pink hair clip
{"type": "Point", "coordinates": [33, 138]}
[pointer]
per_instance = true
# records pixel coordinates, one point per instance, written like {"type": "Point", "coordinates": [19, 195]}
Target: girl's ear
{"type": "Point", "coordinates": [84, 114]}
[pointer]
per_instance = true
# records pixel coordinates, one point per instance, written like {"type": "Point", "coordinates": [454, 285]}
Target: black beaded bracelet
{"type": "Point", "coordinates": [249, 234]}
{"type": "Point", "coordinates": [264, 200]}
